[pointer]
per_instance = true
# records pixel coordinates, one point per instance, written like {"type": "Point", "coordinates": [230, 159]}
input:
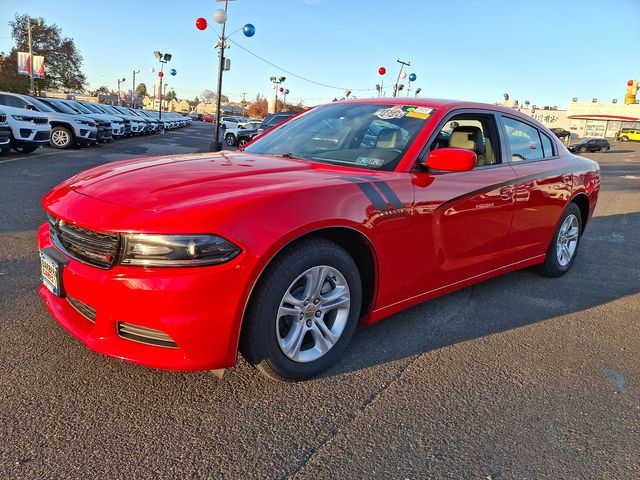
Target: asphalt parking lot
{"type": "Point", "coordinates": [518, 377]}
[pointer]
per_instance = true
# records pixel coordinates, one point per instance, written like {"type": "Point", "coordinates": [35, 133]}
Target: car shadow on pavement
{"type": "Point", "coordinates": [607, 268]}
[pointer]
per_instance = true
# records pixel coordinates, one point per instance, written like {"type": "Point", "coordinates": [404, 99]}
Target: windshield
{"type": "Point", "coordinates": [368, 136]}
{"type": "Point", "coordinates": [43, 107]}
{"type": "Point", "coordinates": [62, 107]}
{"type": "Point", "coordinates": [81, 108]}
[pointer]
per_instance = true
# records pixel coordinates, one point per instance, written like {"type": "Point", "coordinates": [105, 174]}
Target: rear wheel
{"type": "Point", "coordinates": [303, 312]}
{"type": "Point", "coordinates": [564, 247]}
{"type": "Point", "coordinates": [61, 137]}
{"type": "Point", "coordinates": [243, 141]}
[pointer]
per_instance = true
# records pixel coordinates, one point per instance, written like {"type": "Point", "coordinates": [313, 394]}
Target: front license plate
{"type": "Point", "coordinates": [51, 273]}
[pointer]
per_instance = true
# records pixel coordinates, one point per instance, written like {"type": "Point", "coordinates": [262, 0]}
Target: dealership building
{"type": "Point", "coordinates": [588, 119]}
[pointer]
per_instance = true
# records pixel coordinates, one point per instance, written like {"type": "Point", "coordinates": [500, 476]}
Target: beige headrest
{"type": "Point", "coordinates": [389, 138]}
{"type": "Point", "coordinates": [467, 137]}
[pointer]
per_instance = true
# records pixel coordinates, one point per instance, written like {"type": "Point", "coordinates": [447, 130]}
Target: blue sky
{"type": "Point", "coordinates": [544, 51]}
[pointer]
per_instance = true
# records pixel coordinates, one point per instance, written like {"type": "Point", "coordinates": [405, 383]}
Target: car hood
{"type": "Point", "coordinates": [177, 181]}
{"type": "Point", "coordinates": [21, 111]}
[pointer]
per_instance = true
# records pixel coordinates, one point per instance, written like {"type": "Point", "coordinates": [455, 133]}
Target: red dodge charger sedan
{"type": "Point", "coordinates": [347, 213]}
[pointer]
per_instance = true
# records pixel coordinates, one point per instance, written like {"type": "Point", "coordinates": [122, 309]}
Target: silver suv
{"type": "Point", "coordinates": [66, 130]}
{"type": "Point", "coordinates": [28, 130]}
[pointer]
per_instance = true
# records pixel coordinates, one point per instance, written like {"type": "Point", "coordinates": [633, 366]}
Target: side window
{"type": "Point", "coordinates": [471, 131]}
{"type": "Point", "coordinates": [547, 146]}
{"type": "Point", "coordinates": [524, 140]}
{"type": "Point", "coordinates": [11, 101]}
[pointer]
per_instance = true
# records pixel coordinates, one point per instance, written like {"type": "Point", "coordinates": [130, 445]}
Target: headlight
{"type": "Point", "coordinates": [20, 118]}
{"type": "Point", "coordinates": [86, 122]}
{"type": "Point", "coordinates": [176, 250]}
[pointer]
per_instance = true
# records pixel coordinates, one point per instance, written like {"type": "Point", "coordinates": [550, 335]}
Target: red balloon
{"type": "Point", "coordinates": [160, 74]}
{"type": "Point", "coordinates": [382, 70]}
{"type": "Point", "coordinates": [281, 89]}
{"type": "Point", "coordinates": [630, 82]}
{"type": "Point", "coordinates": [201, 23]}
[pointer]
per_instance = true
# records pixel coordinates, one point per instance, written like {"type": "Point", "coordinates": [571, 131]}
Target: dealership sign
{"type": "Point", "coordinates": [38, 65]}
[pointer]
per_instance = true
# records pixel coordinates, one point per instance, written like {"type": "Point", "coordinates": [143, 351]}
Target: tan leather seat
{"type": "Point", "coordinates": [390, 138]}
{"type": "Point", "coordinates": [469, 138]}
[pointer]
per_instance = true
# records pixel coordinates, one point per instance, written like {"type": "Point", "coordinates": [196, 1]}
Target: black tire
{"type": "Point", "coordinates": [5, 148]}
{"type": "Point", "coordinates": [552, 266]}
{"type": "Point", "coordinates": [61, 138]}
{"type": "Point", "coordinates": [624, 139]}
{"type": "Point", "coordinates": [259, 340]}
{"type": "Point", "coordinates": [230, 139]}
{"type": "Point", "coordinates": [582, 149]}
{"type": "Point", "coordinates": [242, 141]}
{"type": "Point", "coordinates": [603, 149]}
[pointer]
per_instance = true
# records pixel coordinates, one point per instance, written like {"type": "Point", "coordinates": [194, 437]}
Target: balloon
{"type": "Point", "coordinates": [201, 23]}
{"type": "Point", "coordinates": [382, 70]}
{"type": "Point", "coordinates": [286, 92]}
{"type": "Point", "coordinates": [412, 77]}
{"type": "Point", "coordinates": [249, 30]}
{"type": "Point", "coordinates": [152, 70]}
{"type": "Point", "coordinates": [173, 72]}
{"type": "Point", "coordinates": [220, 16]}
{"type": "Point", "coordinates": [160, 74]}
{"type": "Point", "coordinates": [403, 75]}
{"type": "Point", "coordinates": [281, 89]}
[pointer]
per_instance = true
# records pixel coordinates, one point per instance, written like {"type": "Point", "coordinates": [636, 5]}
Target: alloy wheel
{"type": "Point", "coordinates": [60, 138]}
{"type": "Point", "coordinates": [567, 241]}
{"type": "Point", "coordinates": [313, 314]}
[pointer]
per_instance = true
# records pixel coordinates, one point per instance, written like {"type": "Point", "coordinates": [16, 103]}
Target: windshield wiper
{"type": "Point", "coordinates": [286, 155]}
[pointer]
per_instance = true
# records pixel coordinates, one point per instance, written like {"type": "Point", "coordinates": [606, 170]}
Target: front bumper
{"type": "Point", "coordinates": [198, 308]}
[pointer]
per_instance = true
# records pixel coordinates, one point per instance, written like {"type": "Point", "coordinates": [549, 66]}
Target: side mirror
{"type": "Point", "coordinates": [451, 160]}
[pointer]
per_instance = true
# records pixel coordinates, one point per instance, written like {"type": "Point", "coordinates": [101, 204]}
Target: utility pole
{"type": "Point", "coordinates": [31, 88]}
{"type": "Point", "coordinates": [133, 89]}
{"type": "Point", "coordinates": [402, 65]}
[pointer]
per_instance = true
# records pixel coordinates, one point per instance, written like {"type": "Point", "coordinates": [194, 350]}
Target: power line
{"type": "Point", "coordinates": [296, 75]}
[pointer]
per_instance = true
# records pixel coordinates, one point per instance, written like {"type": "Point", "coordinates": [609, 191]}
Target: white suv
{"type": "Point", "coordinates": [29, 130]}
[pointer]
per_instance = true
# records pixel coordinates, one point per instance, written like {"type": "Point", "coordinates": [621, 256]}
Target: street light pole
{"type": "Point", "coordinates": [220, 16]}
{"type": "Point", "coordinates": [216, 145]}
{"type": "Point", "coordinates": [402, 65]}
{"type": "Point", "coordinates": [162, 58]}
{"type": "Point", "coordinates": [133, 89]}
{"type": "Point", "coordinates": [119, 98]}
{"type": "Point", "coordinates": [31, 87]}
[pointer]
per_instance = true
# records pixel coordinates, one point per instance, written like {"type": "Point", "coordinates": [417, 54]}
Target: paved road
{"type": "Point", "coordinates": [518, 377]}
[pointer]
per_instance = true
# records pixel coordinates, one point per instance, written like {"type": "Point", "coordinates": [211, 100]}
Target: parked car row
{"type": "Point", "coordinates": [30, 122]}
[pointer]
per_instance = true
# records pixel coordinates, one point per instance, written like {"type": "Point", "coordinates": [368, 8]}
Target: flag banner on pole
{"type": "Point", "coordinates": [23, 63]}
{"type": "Point", "coordinates": [38, 65]}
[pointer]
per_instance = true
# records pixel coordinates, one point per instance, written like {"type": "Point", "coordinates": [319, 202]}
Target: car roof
{"type": "Point", "coordinates": [441, 103]}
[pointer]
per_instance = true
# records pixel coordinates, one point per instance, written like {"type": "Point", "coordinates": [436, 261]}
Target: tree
{"type": "Point", "coordinates": [171, 95]}
{"type": "Point", "coordinates": [208, 96]}
{"type": "Point", "coordinates": [196, 100]}
{"type": "Point", "coordinates": [103, 90]}
{"type": "Point", "coordinates": [62, 58]}
{"type": "Point", "coordinates": [257, 109]}
{"type": "Point", "coordinates": [141, 90]}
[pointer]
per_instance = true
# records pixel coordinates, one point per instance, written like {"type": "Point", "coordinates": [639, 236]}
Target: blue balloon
{"type": "Point", "coordinates": [173, 72]}
{"type": "Point", "coordinates": [412, 77]}
{"type": "Point", "coordinates": [249, 30]}
{"type": "Point", "coordinates": [286, 92]}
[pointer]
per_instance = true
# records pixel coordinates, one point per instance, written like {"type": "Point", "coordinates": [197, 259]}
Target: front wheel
{"type": "Point", "coordinates": [304, 311]}
{"type": "Point", "coordinates": [603, 149]}
{"type": "Point", "coordinates": [61, 137]}
{"type": "Point", "coordinates": [230, 139]}
{"type": "Point", "coordinates": [564, 246]}
{"type": "Point", "coordinates": [243, 141]}
{"type": "Point", "coordinates": [583, 150]}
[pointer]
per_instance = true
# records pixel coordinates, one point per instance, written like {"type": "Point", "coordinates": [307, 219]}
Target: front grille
{"type": "Point", "coordinates": [39, 120]}
{"type": "Point", "coordinates": [87, 246]}
{"type": "Point", "coordinates": [41, 136]}
{"type": "Point", "coordinates": [150, 336]}
{"type": "Point", "coordinates": [82, 308]}
{"type": "Point", "coordinates": [3, 118]}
